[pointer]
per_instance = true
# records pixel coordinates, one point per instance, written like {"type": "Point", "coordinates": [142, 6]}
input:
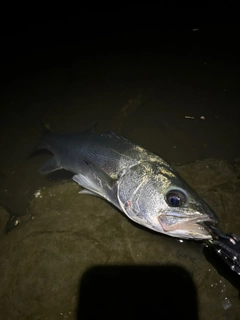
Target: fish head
{"type": "Point", "coordinates": [154, 195]}
{"type": "Point", "coordinates": [183, 213]}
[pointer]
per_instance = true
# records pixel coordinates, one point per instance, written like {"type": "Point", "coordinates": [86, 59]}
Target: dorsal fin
{"type": "Point", "coordinates": [92, 129]}
{"type": "Point", "coordinates": [110, 134]}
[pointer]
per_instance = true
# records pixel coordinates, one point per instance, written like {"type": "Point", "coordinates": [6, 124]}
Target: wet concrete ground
{"type": "Point", "coordinates": [140, 83]}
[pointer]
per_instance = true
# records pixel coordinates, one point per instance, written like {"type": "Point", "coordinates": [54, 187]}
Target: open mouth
{"type": "Point", "coordinates": [183, 224]}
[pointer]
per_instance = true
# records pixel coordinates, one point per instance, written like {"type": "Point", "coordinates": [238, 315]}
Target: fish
{"type": "Point", "coordinates": [135, 180]}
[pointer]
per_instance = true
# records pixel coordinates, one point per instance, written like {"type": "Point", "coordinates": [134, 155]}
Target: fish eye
{"type": "Point", "coordinates": [175, 198]}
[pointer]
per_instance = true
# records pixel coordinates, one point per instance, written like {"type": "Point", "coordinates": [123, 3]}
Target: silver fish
{"type": "Point", "coordinates": [138, 182]}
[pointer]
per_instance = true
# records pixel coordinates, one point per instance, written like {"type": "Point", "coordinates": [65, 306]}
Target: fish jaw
{"type": "Point", "coordinates": [186, 226]}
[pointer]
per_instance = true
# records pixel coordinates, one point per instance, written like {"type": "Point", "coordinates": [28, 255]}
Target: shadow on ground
{"type": "Point", "coordinates": [137, 292]}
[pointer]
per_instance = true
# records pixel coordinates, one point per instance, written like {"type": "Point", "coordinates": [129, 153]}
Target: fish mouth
{"type": "Point", "coordinates": [183, 226]}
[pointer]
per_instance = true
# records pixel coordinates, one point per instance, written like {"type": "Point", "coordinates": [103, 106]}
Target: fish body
{"type": "Point", "coordinates": [137, 181]}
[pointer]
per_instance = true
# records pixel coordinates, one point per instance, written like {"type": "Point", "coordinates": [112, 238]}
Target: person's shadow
{"type": "Point", "coordinates": [137, 292]}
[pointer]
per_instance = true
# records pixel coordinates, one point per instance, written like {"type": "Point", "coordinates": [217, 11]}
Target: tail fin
{"type": "Point", "coordinates": [42, 144]}
{"type": "Point", "coordinates": [52, 164]}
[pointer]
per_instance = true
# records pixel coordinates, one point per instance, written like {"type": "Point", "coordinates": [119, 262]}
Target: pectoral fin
{"type": "Point", "coordinates": [97, 182]}
{"type": "Point", "coordinates": [92, 186]}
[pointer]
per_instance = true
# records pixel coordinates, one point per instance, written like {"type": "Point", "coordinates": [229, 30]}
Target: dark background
{"type": "Point", "coordinates": [71, 68]}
